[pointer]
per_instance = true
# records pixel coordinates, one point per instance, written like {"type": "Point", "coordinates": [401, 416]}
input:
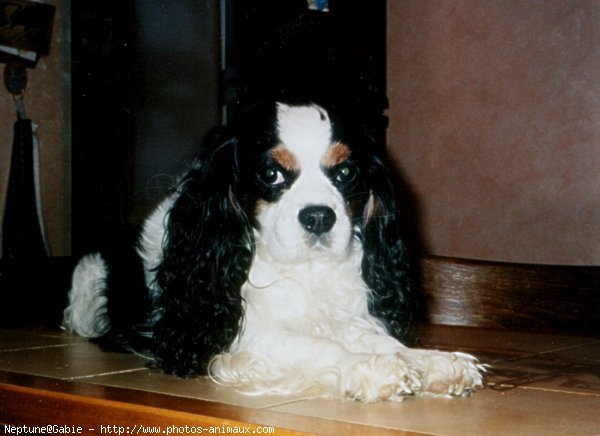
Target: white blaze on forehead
{"type": "Point", "coordinates": [305, 140]}
{"type": "Point", "coordinates": [304, 130]}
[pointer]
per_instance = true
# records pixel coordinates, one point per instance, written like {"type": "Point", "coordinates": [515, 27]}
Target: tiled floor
{"type": "Point", "coordinates": [538, 384]}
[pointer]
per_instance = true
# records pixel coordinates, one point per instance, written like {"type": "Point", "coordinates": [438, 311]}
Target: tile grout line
{"type": "Point", "coordinates": [174, 394]}
{"type": "Point", "coordinates": [510, 386]}
{"type": "Point", "coordinates": [558, 391]}
{"type": "Point", "coordinates": [526, 355]}
{"type": "Point", "coordinates": [39, 347]}
{"type": "Point", "coordinates": [55, 334]}
{"type": "Point", "coordinates": [102, 374]}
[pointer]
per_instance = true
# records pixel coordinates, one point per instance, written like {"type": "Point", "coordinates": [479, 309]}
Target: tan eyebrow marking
{"type": "Point", "coordinates": [335, 154]}
{"type": "Point", "coordinates": [285, 158]}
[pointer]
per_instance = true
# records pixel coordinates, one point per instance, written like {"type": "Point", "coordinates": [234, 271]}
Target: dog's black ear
{"type": "Point", "coordinates": [385, 266]}
{"type": "Point", "coordinates": [207, 251]}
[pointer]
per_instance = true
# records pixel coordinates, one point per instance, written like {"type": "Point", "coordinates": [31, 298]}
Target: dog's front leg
{"type": "Point", "coordinates": [290, 363]}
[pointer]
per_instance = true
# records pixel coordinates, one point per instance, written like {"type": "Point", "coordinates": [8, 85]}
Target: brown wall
{"type": "Point", "coordinates": [47, 103]}
{"type": "Point", "coordinates": [495, 125]}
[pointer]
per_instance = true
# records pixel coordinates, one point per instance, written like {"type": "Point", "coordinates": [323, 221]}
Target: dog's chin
{"type": "Point", "coordinates": [309, 249]}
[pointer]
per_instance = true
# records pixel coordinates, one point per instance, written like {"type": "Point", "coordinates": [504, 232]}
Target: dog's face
{"type": "Point", "coordinates": [308, 193]}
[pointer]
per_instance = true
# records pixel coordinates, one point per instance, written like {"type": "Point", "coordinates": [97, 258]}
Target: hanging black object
{"type": "Point", "coordinates": [21, 230]}
{"type": "Point", "coordinates": [22, 235]}
{"type": "Point", "coordinates": [25, 34]}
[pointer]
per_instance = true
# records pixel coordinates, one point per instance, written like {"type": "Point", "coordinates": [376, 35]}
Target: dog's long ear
{"type": "Point", "coordinates": [207, 251]}
{"type": "Point", "coordinates": [385, 262]}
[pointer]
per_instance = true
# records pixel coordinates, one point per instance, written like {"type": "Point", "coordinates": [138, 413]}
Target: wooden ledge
{"type": "Point", "coordinates": [546, 298]}
{"type": "Point", "coordinates": [41, 401]}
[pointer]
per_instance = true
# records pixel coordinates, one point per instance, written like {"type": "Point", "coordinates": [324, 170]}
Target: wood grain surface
{"type": "Point", "coordinates": [546, 298]}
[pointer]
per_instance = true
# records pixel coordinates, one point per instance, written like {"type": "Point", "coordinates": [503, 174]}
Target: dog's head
{"type": "Point", "coordinates": [294, 183]}
{"type": "Point", "coordinates": [306, 186]}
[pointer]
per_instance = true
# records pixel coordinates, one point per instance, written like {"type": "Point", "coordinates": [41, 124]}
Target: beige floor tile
{"type": "Point", "coordinates": [45, 331]}
{"type": "Point", "coordinates": [199, 388]}
{"type": "Point", "coordinates": [586, 354]}
{"type": "Point", "coordinates": [487, 412]}
{"type": "Point", "coordinates": [573, 370]}
{"type": "Point", "coordinates": [74, 360]}
{"type": "Point", "coordinates": [22, 339]}
{"type": "Point", "coordinates": [585, 383]}
{"type": "Point", "coordinates": [538, 384]}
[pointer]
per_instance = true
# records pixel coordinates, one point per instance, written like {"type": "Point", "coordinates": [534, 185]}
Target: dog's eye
{"type": "Point", "coordinates": [345, 174]}
{"type": "Point", "coordinates": [271, 176]}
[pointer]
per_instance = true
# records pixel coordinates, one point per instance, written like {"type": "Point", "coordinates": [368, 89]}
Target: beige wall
{"type": "Point", "coordinates": [47, 102]}
{"type": "Point", "coordinates": [495, 125]}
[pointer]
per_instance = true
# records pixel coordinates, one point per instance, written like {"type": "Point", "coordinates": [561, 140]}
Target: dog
{"type": "Point", "coordinates": [275, 265]}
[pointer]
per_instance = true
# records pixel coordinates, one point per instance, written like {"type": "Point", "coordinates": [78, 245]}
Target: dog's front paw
{"type": "Point", "coordinates": [381, 378]}
{"type": "Point", "coordinates": [449, 374]}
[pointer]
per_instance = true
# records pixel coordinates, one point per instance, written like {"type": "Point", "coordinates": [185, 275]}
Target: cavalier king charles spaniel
{"type": "Point", "coordinates": [275, 266]}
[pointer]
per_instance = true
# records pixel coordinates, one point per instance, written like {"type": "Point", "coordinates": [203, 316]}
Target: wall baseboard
{"type": "Point", "coordinates": [549, 298]}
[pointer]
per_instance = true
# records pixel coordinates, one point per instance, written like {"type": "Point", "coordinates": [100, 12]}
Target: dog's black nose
{"type": "Point", "coordinates": [317, 219]}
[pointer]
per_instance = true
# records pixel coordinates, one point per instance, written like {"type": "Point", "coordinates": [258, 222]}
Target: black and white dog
{"type": "Point", "coordinates": [275, 266]}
